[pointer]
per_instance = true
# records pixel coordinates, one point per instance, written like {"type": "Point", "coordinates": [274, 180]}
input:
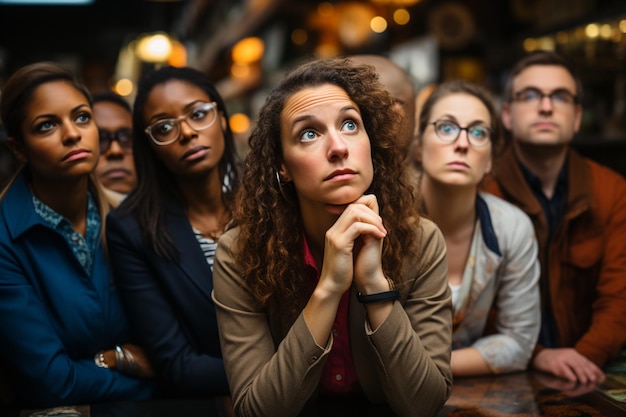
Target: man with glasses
{"type": "Point", "coordinates": [113, 116]}
{"type": "Point", "coordinates": [578, 209]}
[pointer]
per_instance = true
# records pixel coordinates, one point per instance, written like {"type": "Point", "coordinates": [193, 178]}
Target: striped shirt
{"type": "Point", "coordinates": [208, 247]}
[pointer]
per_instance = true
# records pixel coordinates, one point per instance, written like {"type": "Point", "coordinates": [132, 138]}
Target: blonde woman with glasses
{"type": "Point", "coordinates": [492, 250]}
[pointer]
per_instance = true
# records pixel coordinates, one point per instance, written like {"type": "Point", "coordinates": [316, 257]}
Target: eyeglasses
{"type": "Point", "coordinates": [123, 136]}
{"type": "Point", "coordinates": [166, 131]}
{"type": "Point", "coordinates": [448, 131]}
{"type": "Point", "coordinates": [533, 97]}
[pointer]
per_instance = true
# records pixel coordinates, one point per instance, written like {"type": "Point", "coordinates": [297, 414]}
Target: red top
{"type": "Point", "coordinates": [339, 374]}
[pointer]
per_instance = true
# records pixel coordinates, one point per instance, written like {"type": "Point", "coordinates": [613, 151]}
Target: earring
{"type": "Point", "coordinates": [281, 182]}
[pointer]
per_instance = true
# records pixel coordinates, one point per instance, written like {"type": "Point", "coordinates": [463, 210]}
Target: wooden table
{"type": "Point", "coordinates": [524, 394]}
{"type": "Point", "coordinates": [527, 394]}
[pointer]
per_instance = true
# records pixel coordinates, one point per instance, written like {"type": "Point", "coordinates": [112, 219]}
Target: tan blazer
{"type": "Point", "coordinates": [405, 362]}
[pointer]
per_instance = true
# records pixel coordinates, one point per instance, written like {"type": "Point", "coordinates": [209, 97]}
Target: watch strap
{"type": "Point", "coordinates": [380, 297]}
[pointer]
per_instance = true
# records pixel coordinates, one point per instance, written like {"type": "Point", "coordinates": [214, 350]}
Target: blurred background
{"type": "Point", "coordinates": [244, 45]}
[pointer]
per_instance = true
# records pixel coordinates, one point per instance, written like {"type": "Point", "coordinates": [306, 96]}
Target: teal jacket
{"type": "Point", "coordinates": [54, 316]}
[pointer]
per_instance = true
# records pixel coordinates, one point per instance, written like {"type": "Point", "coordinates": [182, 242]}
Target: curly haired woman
{"type": "Point", "coordinates": [330, 291]}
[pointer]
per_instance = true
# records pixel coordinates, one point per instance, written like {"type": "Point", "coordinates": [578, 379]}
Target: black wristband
{"type": "Point", "coordinates": [378, 297]}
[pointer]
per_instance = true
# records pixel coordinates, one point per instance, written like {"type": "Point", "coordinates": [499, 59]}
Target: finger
{"type": "Point", "coordinates": [359, 213]}
{"type": "Point", "coordinates": [582, 375]}
{"type": "Point", "coordinates": [596, 374]}
{"type": "Point", "coordinates": [365, 213]}
{"type": "Point", "coordinates": [370, 201]}
{"type": "Point", "coordinates": [566, 372]}
{"type": "Point", "coordinates": [365, 230]}
{"type": "Point", "coordinates": [586, 372]}
{"type": "Point", "coordinates": [589, 372]}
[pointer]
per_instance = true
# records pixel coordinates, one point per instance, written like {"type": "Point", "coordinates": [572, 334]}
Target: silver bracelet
{"type": "Point", "coordinates": [99, 360]}
{"type": "Point", "coordinates": [131, 366]}
{"type": "Point", "coordinates": [119, 358]}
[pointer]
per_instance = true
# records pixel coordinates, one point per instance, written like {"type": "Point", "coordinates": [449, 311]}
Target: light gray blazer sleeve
{"type": "Point", "coordinates": [515, 288]}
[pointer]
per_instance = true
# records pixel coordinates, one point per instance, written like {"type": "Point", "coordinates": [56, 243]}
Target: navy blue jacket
{"type": "Point", "coordinates": [169, 304]}
{"type": "Point", "coordinates": [54, 316]}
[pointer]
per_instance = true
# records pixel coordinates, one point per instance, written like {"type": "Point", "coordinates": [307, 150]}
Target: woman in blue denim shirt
{"type": "Point", "coordinates": [63, 334]}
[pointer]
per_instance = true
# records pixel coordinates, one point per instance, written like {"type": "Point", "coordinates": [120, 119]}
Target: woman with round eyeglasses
{"type": "Point", "coordinates": [492, 250]}
{"type": "Point", "coordinates": [163, 237]}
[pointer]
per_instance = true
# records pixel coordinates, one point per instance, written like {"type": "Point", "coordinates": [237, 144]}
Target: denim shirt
{"type": "Point", "coordinates": [54, 315]}
{"type": "Point", "coordinates": [83, 247]}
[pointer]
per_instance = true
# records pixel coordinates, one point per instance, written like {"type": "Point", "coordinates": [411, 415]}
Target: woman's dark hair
{"type": "Point", "coordinates": [267, 212]}
{"type": "Point", "coordinates": [474, 90]}
{"type": "Point", "coordinates": [155, 183]}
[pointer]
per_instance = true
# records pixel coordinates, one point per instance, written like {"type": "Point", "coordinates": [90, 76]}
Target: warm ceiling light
{"type": "Point", "coordinates": [239, 123]}
{"type": "Point", "coordinates": [178, 56]}
{"type": "Point", "coordinates": [605, 31]}
{"type": "Point", "coordinates": [123, 87]}
{"type": "Point", "coordinates": [378, 24]}
{"type": "Point", "coordinates": [401, 16]}
{"type": "Point", "coordinates": [592, 30]}
{"type": "Point", "coordinates": [353, 28]}
{"type": "Point", "coordinates": [154, 48]}
{"type": "Point", "coordinates": [248, 50]}
{"type": "Point", "coordinates": [546, 43]}
{"type": "Point", "coordinates": [530, 45]}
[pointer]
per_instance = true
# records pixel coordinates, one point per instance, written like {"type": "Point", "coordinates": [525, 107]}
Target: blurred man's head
{"type": "Point", "coordinates": [113, 117]}
{"type": "Point", "coordinates": [399, 84]}
{"type": "Point", "coordinates": [542, 101]}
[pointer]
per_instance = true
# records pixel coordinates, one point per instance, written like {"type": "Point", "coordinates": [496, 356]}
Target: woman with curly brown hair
{"type": "Point", "coordinates": [331, 291]}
